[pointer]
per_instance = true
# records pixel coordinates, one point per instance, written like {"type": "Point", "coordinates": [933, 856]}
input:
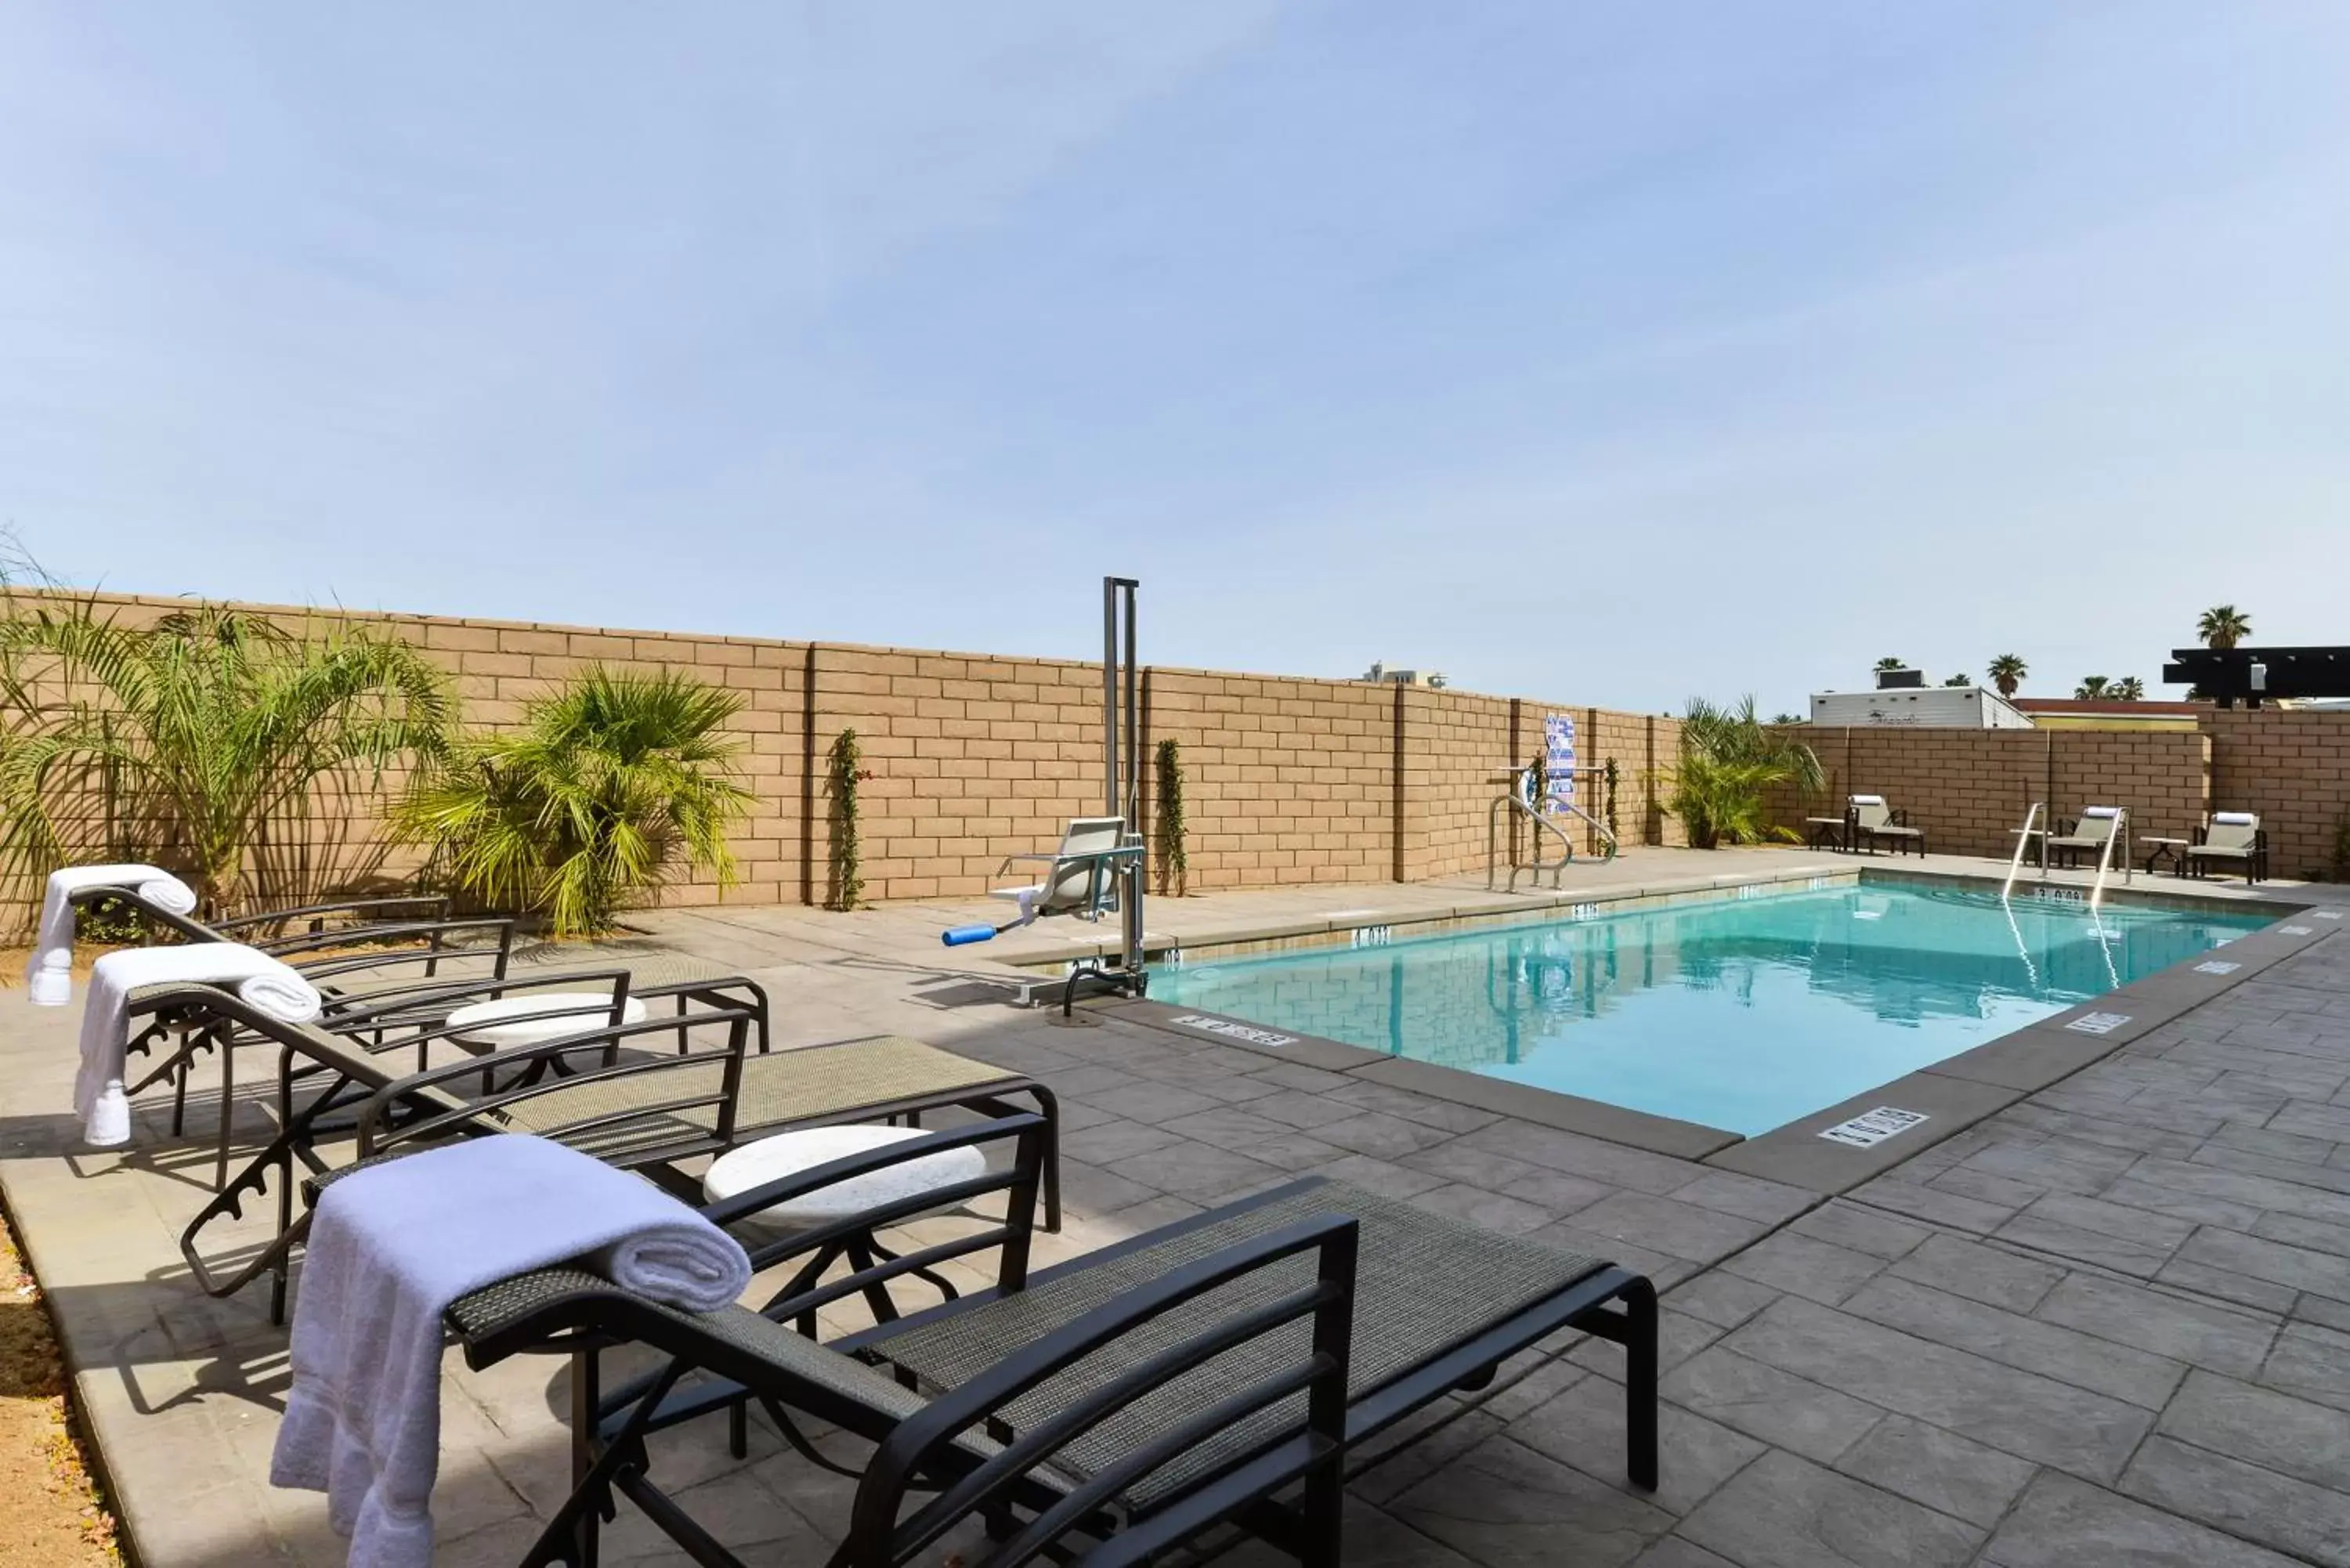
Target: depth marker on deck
{"type": "Point", "coordinates": [1873, 1128]}
{"type": "Point", "coordinates": [1231, 1031]}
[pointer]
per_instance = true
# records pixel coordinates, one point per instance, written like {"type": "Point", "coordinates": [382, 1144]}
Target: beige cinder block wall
{"type": "Point", "coordinates": [1971, 788]}
{"type": "Point", "coordinates": [1288, 780]}
{"type": "Point", "coordinates": [2293, 768]}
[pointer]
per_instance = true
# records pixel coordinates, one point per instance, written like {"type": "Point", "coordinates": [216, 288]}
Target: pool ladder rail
{"type": "Point", "coordinates": [2036, 825]}
{"type": "Point", "coordinates": [1515, 798]}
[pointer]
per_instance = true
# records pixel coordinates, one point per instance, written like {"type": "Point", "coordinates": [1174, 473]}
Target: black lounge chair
{"type": "Point", "coordinates": [885, 1077]}
{"type": "Point", "coordinates": [1135, 1395]}
{"type": "Point", "coordinates": [363, 953]}
{"type": "Point", "coordinates": [367, 947]}
{"type": "Point", "coordinates": [591, 1089]}
{"type": "Point", "coordinates": [2089, 834]}
{"type": "Point", "coordinates": [2234, 839]}
{"type": "Point", "coordinates": [1869, 822]}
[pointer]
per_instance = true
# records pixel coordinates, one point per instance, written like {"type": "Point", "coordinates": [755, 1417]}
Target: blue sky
{"type": "Point", "coordinates": [1609, 354]}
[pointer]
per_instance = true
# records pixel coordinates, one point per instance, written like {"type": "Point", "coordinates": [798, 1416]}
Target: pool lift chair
{"type": "Point", "coordinates": [1098, 869]}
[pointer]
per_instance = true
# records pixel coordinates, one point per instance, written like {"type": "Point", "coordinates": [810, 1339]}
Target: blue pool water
{"type": "Point", "coordinates": [1740, 1013]}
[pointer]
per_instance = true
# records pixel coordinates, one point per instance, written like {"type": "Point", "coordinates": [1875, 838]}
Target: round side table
{"type": "Point", "coordinates": [786, 1154]}
{"type": "Point", "coordinates": [536, 1017]}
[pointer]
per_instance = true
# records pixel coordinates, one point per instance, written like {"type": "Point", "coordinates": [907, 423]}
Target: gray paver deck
{"type": "Point", "coordinates": [2108, 1324]}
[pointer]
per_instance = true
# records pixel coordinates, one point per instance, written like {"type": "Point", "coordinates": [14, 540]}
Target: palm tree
{"type": "Point", "coordinates": [2093, 686]}
{"type": "Point", "coordinates": [609, 785]}
{"type": "Point", "coordinates": [2007, 672]}
{"type": "Point", "coordinates": [2128, 688]}
{"type": "Point", "coordinates": [1889, 662]}
{"type": "Point", "coordinates": [205, 741]}
{"type": "Point", "coordinates": [1957, 681]}
{"type": "Point", "coordinates": [2223, 626]}
{"type": "Point", "coordinates": [1730, 762]}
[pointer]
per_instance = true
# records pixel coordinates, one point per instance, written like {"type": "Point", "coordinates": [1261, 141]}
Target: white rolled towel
{"type": "Point", "coordinates": [48, 973]}
{"type": "Point", "coordinates": [2234, 819]}
{"type": "Point", "coordinates": [392, 1246]}
{"type": "Point", "coordinates": [263, 981]}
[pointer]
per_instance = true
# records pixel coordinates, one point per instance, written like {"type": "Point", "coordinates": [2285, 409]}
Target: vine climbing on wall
{"type": "Point", "coordinates": [1174, 862]}
{"type": "Point", "coordinates": [846, 886]}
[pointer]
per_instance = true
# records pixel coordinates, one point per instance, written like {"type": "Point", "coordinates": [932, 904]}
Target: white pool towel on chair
{"type": "Point", "coordinates": [49, 972]}
{"type": "Point", "coordinates": [261, 980]}
{"type": "Point", "coordinates": [392, 1246]}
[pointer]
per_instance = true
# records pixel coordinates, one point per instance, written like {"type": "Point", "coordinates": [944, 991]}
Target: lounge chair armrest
{"type": "Point", "coordinates": [193, 930]}
{"type": "Point", "coordinates": [382, 1101]}
{"type": "Point", "coordinates": [912, 1450]}
{"type": "Point", "coordinates": [437, 903]}
{"type": "Point", "coordinates": [430, 1001]}
{"type": "Point", "coordinates": [391, 931]}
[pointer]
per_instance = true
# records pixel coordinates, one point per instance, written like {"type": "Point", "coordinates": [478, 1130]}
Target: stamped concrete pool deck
{"type": "Point", "coordinates": [2107, 1321]}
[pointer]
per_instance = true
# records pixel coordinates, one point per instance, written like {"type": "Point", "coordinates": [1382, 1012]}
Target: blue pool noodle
{"type": "Point", "coordinates": [961, 935]}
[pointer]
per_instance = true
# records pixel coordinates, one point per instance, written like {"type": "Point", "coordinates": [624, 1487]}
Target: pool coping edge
{"type": "Point", "coordinates": [1956, 1092]}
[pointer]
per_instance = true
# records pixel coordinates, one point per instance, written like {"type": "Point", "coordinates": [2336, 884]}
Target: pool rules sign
{"type": "Point", "coordinates": [1558, 763]}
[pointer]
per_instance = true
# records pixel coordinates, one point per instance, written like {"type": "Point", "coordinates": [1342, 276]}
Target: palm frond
{"type": "Point", "coordinates": [195, 739]}
{"type": "Point", "coordinates": [613, 784]}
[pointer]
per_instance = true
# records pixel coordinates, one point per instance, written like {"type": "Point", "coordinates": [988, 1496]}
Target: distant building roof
{"type": "Point", "coordinates": [1388, 672]}
{"type": "Point", "coordinates": [2114, 705]}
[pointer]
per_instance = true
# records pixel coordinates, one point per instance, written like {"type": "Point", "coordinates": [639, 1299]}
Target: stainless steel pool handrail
{"type": "Point", "coordinates": [2119, 834]}
{"type": "Point", "coordinates": [2023, 838]}
{"type": "Point", "coordinates": [1514, 797]}
{"type": "Point", "coordinates": [1606, 834]}
{"type": "Point", "coordinates": [1558, 869]}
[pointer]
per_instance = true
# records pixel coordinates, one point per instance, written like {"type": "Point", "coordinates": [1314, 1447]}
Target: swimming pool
{"type": "Point", "coordinates": [1743, 1012]}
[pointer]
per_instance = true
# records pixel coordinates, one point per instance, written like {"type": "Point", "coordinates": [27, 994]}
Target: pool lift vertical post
{"type": "Point", "coordinates": [1126, 792]}
{"type": "Point", "coordinates": [1121, 787]}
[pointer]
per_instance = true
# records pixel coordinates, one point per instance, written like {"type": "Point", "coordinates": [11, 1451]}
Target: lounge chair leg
{"type": "Point", "coordinates": [283, 1268]}
{"type": "Point", "coordinates": [1640, 1384]}
{"type": "Point", "coordinates": [1050, 1105]}
{"type": "Point", "coordinates": [738, 1429]}
{"type": "Point", "coordinates": [227, 1111]}
{"type": "Point", "coordinates": [1321, 1518]}
{"type": "Point", "coordinates": [587, 1393]}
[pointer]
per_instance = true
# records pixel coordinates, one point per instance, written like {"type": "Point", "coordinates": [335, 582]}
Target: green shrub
{"type": "Point", "coordinates": [610, 786]}
{"type": "Point", "coordinates": [1730, 763]}
{"type": "Point", "coordinates": [212, 742]}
